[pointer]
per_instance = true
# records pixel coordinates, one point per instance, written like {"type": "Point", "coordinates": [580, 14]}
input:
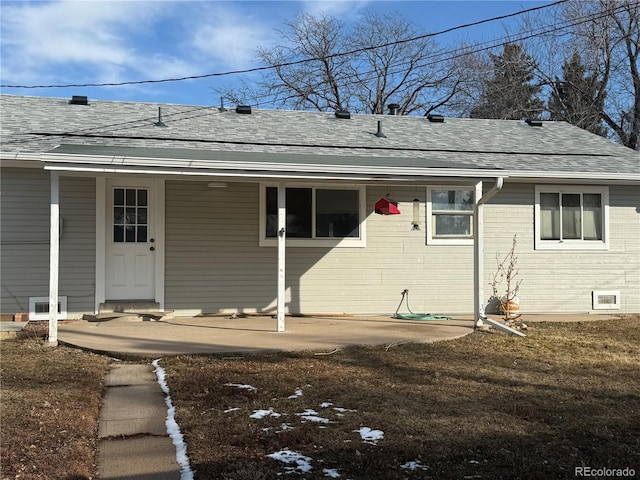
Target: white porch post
{"type": "Point", "coordinates": [478, 249]}
{"type": "Point", "coordinates": [478, 264]}
{"type": "Point", "coordinates": [282, 224]}
{"type": "Point", "coordinates": [54, 258]}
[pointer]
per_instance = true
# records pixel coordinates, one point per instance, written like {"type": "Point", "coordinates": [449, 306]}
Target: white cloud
{"type": "Point", "coordinates": [230, 37]}
{"type": "Point", "coordinates": [75, 41]}
{"type": "Point", "coordinates": [340, 9]}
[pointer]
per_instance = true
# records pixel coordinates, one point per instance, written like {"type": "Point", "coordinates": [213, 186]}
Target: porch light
{"type": "Point", "coordinates": [415, 224]}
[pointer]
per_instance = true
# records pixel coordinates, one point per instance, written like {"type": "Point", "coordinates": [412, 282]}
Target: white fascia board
{"type": "Point", "coordinates": [21, 159]}
{"type": "Point", "coordinates": [564, 177]}
{"type": "Point", "coordinates": [292, 170]}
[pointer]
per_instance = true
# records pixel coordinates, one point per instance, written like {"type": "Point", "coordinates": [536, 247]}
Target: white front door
{"type": "Point", "coordinates": [130, 242]}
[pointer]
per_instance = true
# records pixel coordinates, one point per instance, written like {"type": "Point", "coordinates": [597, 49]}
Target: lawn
{"type": "Point", "coordinates": [485, 406]}
{"type": "Point", "coordinates": [50, 400]}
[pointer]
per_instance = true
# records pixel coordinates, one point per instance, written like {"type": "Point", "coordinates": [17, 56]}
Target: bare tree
{"type": "Point", "coordinates": [322, 66]}
{"type": "Point", "coordinates": [604, 37]}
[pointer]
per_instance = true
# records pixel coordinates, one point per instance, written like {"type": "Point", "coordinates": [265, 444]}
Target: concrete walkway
{"type": "Point", "coordinates": [133, 440]}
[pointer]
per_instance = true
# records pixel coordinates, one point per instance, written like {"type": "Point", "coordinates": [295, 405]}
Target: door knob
{"type": "Point", "coordinates": [152, 248]}
{"type": "Point", "coordinates": [152, 240]}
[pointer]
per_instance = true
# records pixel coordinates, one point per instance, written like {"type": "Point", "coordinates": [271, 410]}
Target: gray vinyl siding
{"type": "Point", "coordinates": [214, 263]}
{"type": "Point", "coordinates": [24, 248]}
{"type": "Point", "coordinates": [562, 281]}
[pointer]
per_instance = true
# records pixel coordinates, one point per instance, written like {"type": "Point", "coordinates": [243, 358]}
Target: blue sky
{"type": "Point", "coordinates": [78, 42]}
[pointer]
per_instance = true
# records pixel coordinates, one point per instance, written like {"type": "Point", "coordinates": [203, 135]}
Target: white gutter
{"type": "Point", "coordinates": [478, 251]}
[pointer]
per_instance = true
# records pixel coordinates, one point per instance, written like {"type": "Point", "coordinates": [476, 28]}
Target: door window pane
{"type": "Point", "coordinates": [142, 198]}
{"type": "Point", "coordinates": [130, 196]}
{"type": "Point", "coordinates": [130, 215]}
{"type": "Point", "coordinates": [337, 213]}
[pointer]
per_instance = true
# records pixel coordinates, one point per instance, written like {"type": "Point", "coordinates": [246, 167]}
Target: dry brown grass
{"type": "Point", "coordinates": [50, 401]}
{"type": "Point", "coordinates": [485, 406]}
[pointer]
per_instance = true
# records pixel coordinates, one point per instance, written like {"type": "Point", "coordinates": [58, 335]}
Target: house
{"type": "Point", "coordinates": [203, 209]}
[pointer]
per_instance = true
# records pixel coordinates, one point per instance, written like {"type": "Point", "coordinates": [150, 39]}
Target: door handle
{"type": "Point", "coordinates": [152, 248]}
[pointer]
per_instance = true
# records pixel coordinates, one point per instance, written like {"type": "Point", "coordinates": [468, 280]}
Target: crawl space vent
{"type": "Point", "coordinates": [606, 299]}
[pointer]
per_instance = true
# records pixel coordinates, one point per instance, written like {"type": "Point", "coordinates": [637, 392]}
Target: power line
{"type": "Point", "coordinates": [292, 63]}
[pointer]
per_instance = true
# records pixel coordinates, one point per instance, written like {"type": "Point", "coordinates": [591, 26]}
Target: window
{"type": "Point", "coordinates": [39, 308]}
{"type": "Point", "coordinates": [316, 216]}
{"type": "Point", "coordinates": [450, 215]}
{"type": "Point", "coordinates": [130, 215]}
{"type": "Point", "coordinates": [571, 217]}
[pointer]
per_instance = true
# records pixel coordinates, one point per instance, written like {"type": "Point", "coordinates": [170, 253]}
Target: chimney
{"type": "Point", "coordinates": [394, 109]}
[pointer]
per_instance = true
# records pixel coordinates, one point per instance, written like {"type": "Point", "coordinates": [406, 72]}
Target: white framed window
{"type": "Point", "coordinates": [39, 308]}
{"type": "Point", "coordinates": [450, 211]}
{"type": "Point", "coordinates": [571, 217]}
{"type": "Point", "coordinates": [317, 216]}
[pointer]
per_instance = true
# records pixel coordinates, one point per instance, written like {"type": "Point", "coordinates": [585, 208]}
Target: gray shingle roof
{"type": "Point", "coordinates": [39, 124]}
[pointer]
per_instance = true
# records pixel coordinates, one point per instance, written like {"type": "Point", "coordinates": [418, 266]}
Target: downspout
{"type": "Point", "coordinates": [478, 251]}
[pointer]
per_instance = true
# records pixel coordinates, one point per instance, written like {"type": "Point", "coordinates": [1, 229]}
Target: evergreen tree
{"type": "Point", "coordinates": [509, 94]}
{"type": "Point", "coordinates": [575, 98]}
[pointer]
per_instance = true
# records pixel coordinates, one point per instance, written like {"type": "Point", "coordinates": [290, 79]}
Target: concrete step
{"type": "Point", "coordinates": [142, 306]}
{"type": "Point", "coordinates": [130, 315]}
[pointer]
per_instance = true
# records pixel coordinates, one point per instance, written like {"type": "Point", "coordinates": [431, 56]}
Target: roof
{"type": "Point", "coordinates": [204, 138]}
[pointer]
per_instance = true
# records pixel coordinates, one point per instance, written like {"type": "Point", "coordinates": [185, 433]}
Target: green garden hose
{"type": "Point", "coordinates": [415, 316]}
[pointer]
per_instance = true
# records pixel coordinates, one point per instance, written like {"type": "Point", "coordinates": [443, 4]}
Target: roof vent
{"type": "Point", "coordinates": [379, 133]}
{"type": "Point", "coordinates": [78, 100]}
{"type": "Point", "coordinates": [435, 118]}
{"type": "Point", "coordinates": [394, 109]}
{"type": "Point", "coordinates": [244, 109]}
{"type": "Point", "coordinates": [533, 122]}
{"type": "Point", "coordinates": [221, 107]}
{"type": "Point", "coordinates": [343, 114]}
{"type": "Point", "coordinates": [160, 123]}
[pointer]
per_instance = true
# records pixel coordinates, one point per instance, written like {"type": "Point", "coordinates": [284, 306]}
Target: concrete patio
{"type": "Point", "coordinates": [188, 335]}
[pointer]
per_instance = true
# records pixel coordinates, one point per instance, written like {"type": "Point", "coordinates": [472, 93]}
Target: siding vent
{"type": "Point", "coordinates": [346, 114]}
{"type": "Point", "coordinates": [533, 123]}
{"type": "Point", "coordinates": [79, 100]}
{"type": "Point", "coordinates": [435, 118]}
{"type": "Point", "coordinates": [606, 299]}
{"type": "Point", "coordinates": [39, 308]}
{"type": "Point", "coordinates": [243, 109]}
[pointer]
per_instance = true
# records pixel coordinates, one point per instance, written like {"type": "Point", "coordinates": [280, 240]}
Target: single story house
{"type": "Point", "coordinates": [203, 209]}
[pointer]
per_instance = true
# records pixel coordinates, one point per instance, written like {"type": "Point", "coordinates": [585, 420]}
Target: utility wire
{"type": "Point", "coordinates": [296, 62]}
{"type": "Point", "coordinates": [201, 111]}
